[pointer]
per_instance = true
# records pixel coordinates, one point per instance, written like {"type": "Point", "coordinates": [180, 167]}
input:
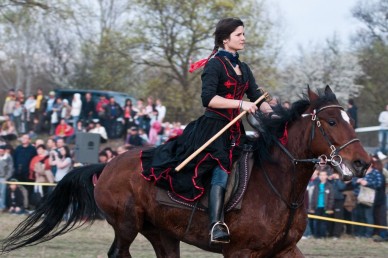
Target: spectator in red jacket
{"type": "Point", "coordinates": [64, 130]}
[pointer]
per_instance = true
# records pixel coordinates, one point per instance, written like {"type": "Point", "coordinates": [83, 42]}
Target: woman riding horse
{"type": "Point", "coordinates": [225, 79]}
{"type": "Point", "coordinates": [272, 217]}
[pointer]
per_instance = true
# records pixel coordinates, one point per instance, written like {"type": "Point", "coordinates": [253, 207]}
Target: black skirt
{"type": "Point", "coordinates": [159, 163]}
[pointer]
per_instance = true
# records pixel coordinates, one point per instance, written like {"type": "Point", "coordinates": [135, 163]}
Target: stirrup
{"type": "Point", "coordinates": [215, 241]}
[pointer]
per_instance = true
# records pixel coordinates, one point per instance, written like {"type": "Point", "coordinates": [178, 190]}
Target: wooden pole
{"type": "Point", "coordinates": [192, 156]}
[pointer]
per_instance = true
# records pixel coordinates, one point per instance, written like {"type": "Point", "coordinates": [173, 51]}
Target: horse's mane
{"type": "Point", "coordinates": [274, 127]}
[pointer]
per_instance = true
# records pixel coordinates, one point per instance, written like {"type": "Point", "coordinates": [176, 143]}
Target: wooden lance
{"type": "Point", "coordinates": [265, 96]}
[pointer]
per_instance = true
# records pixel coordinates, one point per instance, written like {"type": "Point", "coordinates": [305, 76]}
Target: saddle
{"type": "Point", "coordinates": [236, 187]}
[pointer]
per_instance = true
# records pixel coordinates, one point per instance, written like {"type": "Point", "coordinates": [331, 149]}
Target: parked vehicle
{"type": "Point", "coordinates": [117, 128]}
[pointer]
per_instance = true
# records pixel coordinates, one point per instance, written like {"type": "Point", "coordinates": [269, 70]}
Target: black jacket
{"type": "Point", "coordinates": [219, 78]}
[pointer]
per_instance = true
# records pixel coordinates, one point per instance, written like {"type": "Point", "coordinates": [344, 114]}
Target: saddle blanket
{"type": "Point", "coordinates": [236, 187]}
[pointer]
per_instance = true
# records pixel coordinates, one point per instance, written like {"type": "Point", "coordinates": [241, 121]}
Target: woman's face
{"type": "Point", "coordinates": [50, 143]}
{"type": "Point", "coordinates": [109, 154]}
{"type": "Point", "coordinates": [236, 40]}
{"type": "Point", "coordinates": [41, 151]}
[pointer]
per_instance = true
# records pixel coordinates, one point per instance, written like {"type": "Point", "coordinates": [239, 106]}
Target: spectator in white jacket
{"type": "Point", "coordinates": [99, 129]}
{"type": "Point", "coordinates": [29, 106]}
{"type": "Point", "coordinates": [161, 110]}
{"type": "Point", "coordinates": [383, 135]}
{"type": "Point", "coordinates": [76, 107]}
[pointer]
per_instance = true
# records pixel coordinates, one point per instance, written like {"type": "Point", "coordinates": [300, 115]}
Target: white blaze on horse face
{"type": "Point", "coordinates": [345, 116]}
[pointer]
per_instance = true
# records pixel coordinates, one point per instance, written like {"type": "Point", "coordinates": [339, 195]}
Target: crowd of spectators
{"type": "Point", "coordinates": [328, 196]}
{"type": "Point", "coordinates": [38, 136]}
{"type": "Point", "coordinates": [60, 118]}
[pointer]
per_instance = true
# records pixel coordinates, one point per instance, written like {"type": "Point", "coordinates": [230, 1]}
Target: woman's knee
{"type": "Point", "coordinates": [219, 177]}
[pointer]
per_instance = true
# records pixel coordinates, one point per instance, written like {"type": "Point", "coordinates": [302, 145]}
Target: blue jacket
{"type": "Point", "coordinates": [329, 197]}
{"type": "Point", "coordinates": [22, 157]}
{"type": "Point", "coordinates": [374, 181]}
{"type": "Point", "coordinates": [338, 187]}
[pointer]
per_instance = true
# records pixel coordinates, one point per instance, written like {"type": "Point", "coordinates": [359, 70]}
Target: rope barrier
{"type": "Point", "coordinates": [29, 183]}
{"type": "Point", "coordinates": [346, 221]}
{"type": "Point", "coordinates": [311, 216]}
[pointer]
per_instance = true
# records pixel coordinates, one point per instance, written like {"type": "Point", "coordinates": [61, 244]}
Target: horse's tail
{"type": "Point", "coordinates": [71, 202]}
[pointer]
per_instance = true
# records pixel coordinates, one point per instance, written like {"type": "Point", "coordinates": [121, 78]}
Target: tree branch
{"type": "Point", "coordinates": [30, 3]}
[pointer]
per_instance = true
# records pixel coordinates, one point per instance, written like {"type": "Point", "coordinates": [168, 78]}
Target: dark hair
{"type": "Point", "coordinates": [224, 28]}
{"type": "Point", "coordinates": [102, 153]}
{"type": "Point", "coordinates": [351, 102]}
{"type": "Point", "coordinates": [41, 146]}
{"type": "Point", "coordinates": [128, 100]}
{"type": "Point", "coordinates": [376, 163]}
{"type": "Point", "coordinates": [67, 151]}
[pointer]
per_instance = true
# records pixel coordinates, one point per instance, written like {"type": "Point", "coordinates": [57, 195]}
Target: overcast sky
{"type": "Point", "coordinates": [312, 21]}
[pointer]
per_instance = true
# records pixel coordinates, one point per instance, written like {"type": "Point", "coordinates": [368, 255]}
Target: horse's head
{"type": "Point", "coordinates": [332, 137]}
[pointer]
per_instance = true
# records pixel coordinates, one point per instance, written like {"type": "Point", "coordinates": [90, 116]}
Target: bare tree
{"type": "Point", "coordinates": [105, 44]}
{"type": "Point", "coordinates": [24, 3]}
{"type": "Point", "coordinates": [371, 45]}
{"type": "Point", "coordinates": [327, 65]}
{"type": "Point", "coordinates": [31, 52]}
{"type": "Point", "coordinates": [174, 33]}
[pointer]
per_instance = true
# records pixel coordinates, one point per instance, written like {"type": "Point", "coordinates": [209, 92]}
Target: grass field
{"type": "Point", "coordinates": [94, 242]}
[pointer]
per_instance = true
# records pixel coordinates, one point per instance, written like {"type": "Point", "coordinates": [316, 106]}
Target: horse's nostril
{"type": "Point", "coordinates": [357, 164]}
{"type": "Point", "coordinates": [360, 165]}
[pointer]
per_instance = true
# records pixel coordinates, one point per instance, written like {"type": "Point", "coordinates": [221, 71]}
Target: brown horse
{"type": "Point", "coordinates": [272, 217]}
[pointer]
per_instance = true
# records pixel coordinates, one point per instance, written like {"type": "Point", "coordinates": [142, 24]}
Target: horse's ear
{"type": "Point", "coordinates": [328, 90]}
{"type": "Point", "coordinates": [312, 95]}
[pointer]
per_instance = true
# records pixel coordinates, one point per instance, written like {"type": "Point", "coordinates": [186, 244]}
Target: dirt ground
{"type": "Point", "coordinates": [94, 242]}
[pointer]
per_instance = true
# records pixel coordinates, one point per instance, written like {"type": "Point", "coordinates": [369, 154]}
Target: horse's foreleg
{"type": "Point", "coordinates": [164, 246]}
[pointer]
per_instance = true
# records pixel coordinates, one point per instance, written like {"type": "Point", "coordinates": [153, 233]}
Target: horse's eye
{"type": "Point", "coordinates": [332, 123]}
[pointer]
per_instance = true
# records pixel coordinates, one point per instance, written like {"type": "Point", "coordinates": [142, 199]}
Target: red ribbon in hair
{"type": "Point", "coordinates": [202, 62]}
{"type": "Point", "coordinates": [198, 64]}
{"type": "Point", "coordinates": [284, 138]}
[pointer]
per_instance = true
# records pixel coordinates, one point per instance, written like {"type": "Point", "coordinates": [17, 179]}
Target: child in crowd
{"type": "Point", "coordinates": [15, 199]}
{"type": "Point", "coordinates": [322, 202]}
{"type": "Point", "coordinates": [102, 157]}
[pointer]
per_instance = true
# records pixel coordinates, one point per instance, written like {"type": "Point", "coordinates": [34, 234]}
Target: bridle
{"type": "Point", "coordinates": [334, 158]}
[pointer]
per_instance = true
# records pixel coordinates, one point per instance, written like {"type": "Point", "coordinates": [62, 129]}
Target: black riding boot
{"type": "Point", "coordinates": [219, 232]}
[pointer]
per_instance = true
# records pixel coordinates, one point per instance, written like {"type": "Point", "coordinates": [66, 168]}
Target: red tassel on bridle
{"type": "Point", "coordinates": [284, 139]}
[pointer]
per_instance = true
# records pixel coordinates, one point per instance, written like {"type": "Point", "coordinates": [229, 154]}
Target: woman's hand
{"type": "Point", "coordinates": [250, 107]}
